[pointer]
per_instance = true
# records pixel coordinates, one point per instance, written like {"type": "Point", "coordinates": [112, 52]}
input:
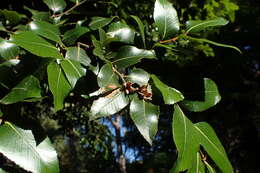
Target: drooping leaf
{"type": "Point", "coordinates": [141, 28]}
{"type": "Point", "coordinates": [55, 5]}
{"type": "Point", "coordinates": [138, 76]}
{"type": "Point", "coordinates": [58, 84]}
{"type": "Point", "coordinates": [78, 54]}
{"type": "Point", "coordinates": [122, 32]}
{"type": "Point", "coordinates": [197, 166]}
{"type": "Point", "coordinates": [198, 25]}
{"type": "Point", "coordinates": [12, 17]}
{"type": "Point", "coordinates": [212, 97]}
{"type": "Point", "coordinates": [19, 146]}
{"type": "Point", "coordinates": [107, 78]}
{"type": "Point", "coordinates": [166, 19]}
{"type": "Point", "coordinates": [99, 22]}
{"type": "Point", "coordinates": [170, 95]}
{"type": "Point", "coordinates": [71, 36]}
{"type": "Point", "coordinates": [46, 30]}
{"type": "Point", "coordinates": [8, 50]}
{"type": "Point", "coordinates": [210, 142]}
{"type": "Point", "coordinates": [73, 71]}
{"type": "Point", "coordinates": [130, 55]}
{"type": "Point", "coordinates": [185, 139]}
{"type": "Point", "coordinates": [109, 104]}
{"type": "Point", "coordinates": [145, 116]}
{"type": "Point", "coordinates": [28, 88]}
{"type": "Point", "coordinates": [35, 44]}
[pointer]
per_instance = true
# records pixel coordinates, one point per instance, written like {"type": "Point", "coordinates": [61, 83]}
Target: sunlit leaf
{"type": "Point", "coordinates": [107, 77]}
{"type": "Point", "coordinates": [141, 28]}
{"type": "Point", "coordinates": [197, 166]}
{"type": "Point", "coordinates": [122, 32]}
{"type": "Point", "coordinates": [99, 22]}
{"type": "Point", "coordinates": [55, 5]}
{"type": "Point", "coordinates": [78, 54]}
{"type": "Point", "coordinates": [8, 50]}
{"type": "Point", "coordinates": [138, 76]}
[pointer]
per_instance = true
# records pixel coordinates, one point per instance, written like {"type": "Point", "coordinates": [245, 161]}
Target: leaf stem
{"type": "Point", "coordinates": [69, 10]}
{"type": "Point", "coordinates": [119, 74]}
{"type": "Point", "coordinates": [170, 40]}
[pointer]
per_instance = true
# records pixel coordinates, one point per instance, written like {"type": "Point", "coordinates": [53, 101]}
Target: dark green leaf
{"type": "Point", "coordinates": [212, 97]}
{"type": "Point", "coordinates": [28, 88]}
{"type": "Point", "coordinates": [138, 76]}
{"type": "Point", "coordinates": [141, 27]}
{"type": "Point", "coordinates": [35, 44]}
{"type": "Point", "coordinates": [12, 17]}
{"type": "Point", "coordinates": [145, 116]}
{"type": "Point", "coordinates": [170, 95]}
{"type": "Point", "coordinates": [198, 25]}
{"type": "Point", "coordinates": [55, 5]}
{"type": "Point", "coordinates": [197, 166]}
{"type": "Point", "coordinates": [73, 71]}
{"type": "Point", "coordinates": [122, 32]}
{"type": "Point", "coordinates": [130, 55]}
{"type": "Point", "coordinates": [107, 78]}
{"type": "Point", "coordinates": [166, 19]}
{"type": "Point", "coordinates": [99, 22]}
{"type": "Point", "coordinates": [71, 36]}
{"type": "Point", "coordinates": [39, 15]}
{"type": "Point", "coordinates": [19, 146]}
{"type": "Point", "coordinates": [1, 113]}
{"type": "Point", "coordinates": [58, 84]}
{"type": "Point", "coordinates": [78, 54]}
{"type": "Point", "coordinates": [8, 50]}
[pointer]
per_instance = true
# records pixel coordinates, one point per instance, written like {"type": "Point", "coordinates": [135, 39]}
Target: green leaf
{"type": "Point", "coordinates": [212, 97]}
{"type": "Point", "coordinates": [58, 84]}
{"type": "Point", "coordinates": [130, 55]}
{"type": "Point", "coordinates": [35, 44]}
{"type": "Point", "coordinates": [122, 32]}
{"type": "Point", "coordinates": [210, 169]}
{"type": "Point", "coordinates": [38, 15]}
{"type": "Point", "coordinates": [12, 17]}
{"type": "Point", "coordinates": [145, 116]}
{"type": "Point", "coordinates": [78, 54]}
{"type": "Point", "coordinates": [2, 171]}
{"type": "Point", "coordinates": [166, 19]}
{"type": "Point", "coordinates": [141, 28]}
{"type": "Point", "coordinates": [1, 113]}
{"type": "Point", "coordinates": [198, 25]}
{"type": "Point", "coordinates": [55, 5]}
{"type": "Point", "coordinates": [107, 78]}
{"type": "Point", "coordinates": [109, 105]}
{"type": "Point", "coordinates": [19, 146]}
{"type": "Point", "coordinates": [138, 76]}
{"type": "Point", "coordinates": [8, 50]}
{"type": "Point", "coordinates": [198, 166]}
{"type": "Point", "coordinates": [99, 22]}
{"type": "Point", "coordinates": [71, 36]}
{"type": "Point", "coordinates": [170, 95]}
{"type": "Point", "coordinates": [210, 142]}
{"type": "Point", "coordinates": [46, 30]}
{"type": "Point", "coordinates": [73, 71]}
{"type": "Point", "coordinates": [28, 88]}
{"type": "Point", "coordinates": [185, 138]}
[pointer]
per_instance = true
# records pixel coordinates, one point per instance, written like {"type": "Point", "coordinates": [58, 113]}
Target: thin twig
{"type": "Point", "coordinates": [122, 77]}
{"type": "Point", "coordinates": [170, 40]}
{"type": "Point", "coordinates": [69, 10]}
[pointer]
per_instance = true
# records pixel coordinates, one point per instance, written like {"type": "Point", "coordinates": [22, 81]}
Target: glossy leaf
{"type": "Point", "coordinates": [78, 54]}
{"type": "Point", "coordinates": [28, 88]}
{"type": "Point", "coordinates": [58, 84]}
{"type": "Point", "coordinates": [130, 55]}
{"type": "Point", "coordinates": [8, 50]}
{"type": "Point", "coordinates": [39, 15]}
{"type": "Point", "coordinates": [99, 22]}
{"type": "Point", "coordinates": [122, 32]}
{"type": "Point", "coordinates": [11, 17]}
{"type": "Point", "coordinates": [198, 166]}
{"type": "Point", "coordinates": [145, 116]}
{"type": "Point", "coordinates": [210, 142]}
{"type": "Point", "coordinates": [35, 44]}
{"type": "Point", "coordinates": [166, 19]}
{"type": "Point", "coordinates": [19, 146]}
{"type": "Point", "coordinates": [185, 138]}
{"type": "Point", "coordinates": [138, 76]}
{"type": "Point", "coordinates": [55, 5]}
{"type": "Point", "coordinates": [73, 71]}
{"type": "Point", "coordinates": [170, 95]}
{"type": "Point", "coordinates": [109, 105]}
{"type": "Point", "coordinates": [71, 36]}
{"type": "Point", "coordinates": [46, 30]}
{"type": "Point", "coordinates": [212, 97]}
{"type": "Point", "coordinates": [141, 28]}
{"type": "Point", "coordinates": [107, 77]}
{"type": "Point", "coordinates": [198, 25]}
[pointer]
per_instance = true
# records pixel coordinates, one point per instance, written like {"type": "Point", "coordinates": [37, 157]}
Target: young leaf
{"type": "Point", "coordinates": [35, 44]}
{"type": "Point", "coordinates": [145, 116]}
{"type": "Point", "coordinates": [166, 19]}
{"type": "Point", "coordinates": [130, 55]}
{"type": "Point", "coordinates": [210, 142]}
{"type": "Point", "coordinates": [73, 71]}
{"type": "Point", "coordinates": [108, 105]}
{"type": "Point", "coordinates": [8, 50]}
{"type": "Point", "coordinates": [19, 146]}
{"type": "Point", "coordinates": [28, 88]}
{"type": "Point", "coordinates": [122, 32]}
{"type": "Point", "coordinates": [99, 22]}
{"type": "Point", "coordinates": [212, 97]}
{"type": "Point", "coordinates": [46, 30]}
{"type": "Point", "coordinates": [71, 36]}
{"type": "Point", "coordinates": [170, 95]}
{"type": "Point", "coordinates": [78, 54]}
{"type": "Point", "coordinates": [106, 77]}
{"type": "Point", "coordinates": [58, 84]}
{"type": "Point", "coordinates": [55, 5]}
{"type": "Point", "coordinates": [197, 166]}
{"type": "Point", "coordinates": [141, 28]}
{"type": "Point", "coordinates": [138, 76]}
